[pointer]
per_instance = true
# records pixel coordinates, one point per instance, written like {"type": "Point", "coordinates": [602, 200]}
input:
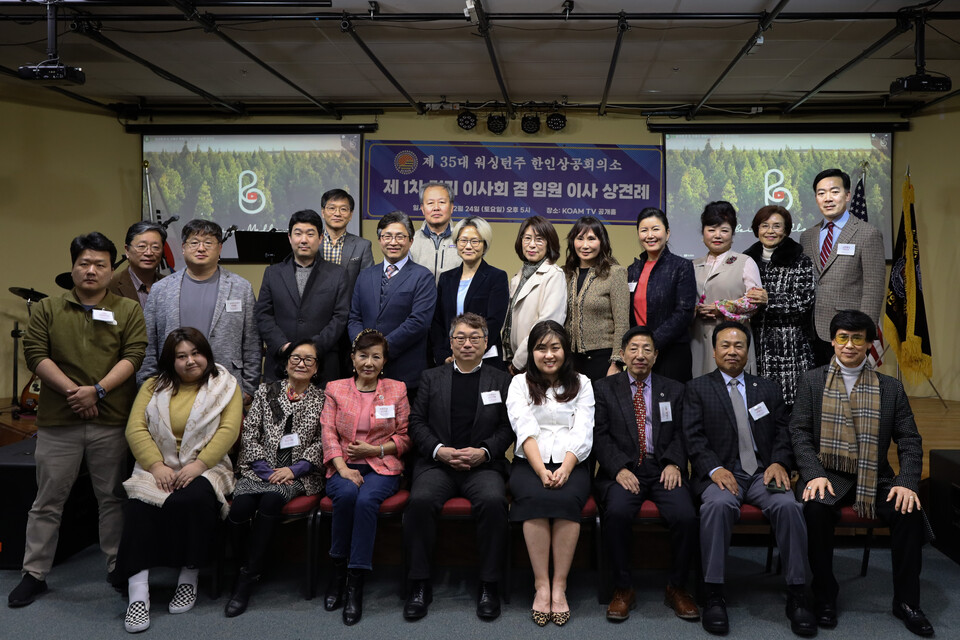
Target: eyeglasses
{"type": "Point", "coordinates": [389, 237]}
{"type": "Point", "coordinates": [474, 340]}
{"type": "Point", "coordinates": [143, 247]}
{"type": "Point", "coordinates": [307, 360]}
{"type": "Point", "coordinates": [334, 209]}
{"type": "Point", "coordinates": [537, 240]}
{"type": "Point", "coordinates": [473, 242]}
{"type": "Point", "coordinates": [858, 339]}
{"type": "Point", "coordinates": [776, 226]}
{"type": "Point", "coordinates": [193, 245]}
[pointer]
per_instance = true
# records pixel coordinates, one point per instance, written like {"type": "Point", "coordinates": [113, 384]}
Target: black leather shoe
{"type": "Point", "coordinates": [27, 591]}
{"type": "Point", "coordinates": [714, 615]}
{"type": "Point", "coordinates": [118, 583]}
{"type": "Point", "coordinates": [827, 615]}
{"type": "Point", "coordinates": [488, 601]}
{"type": "Point", "coordinates": [333, 598]}
{"type": "Point", "coordinates": [802, 620]}
{"type": "Point", "coordinates": [913, 619]}
{"type": "Point", "coordinates": [240, 597]}
{"type": "Point", "coordinates": [418, 599]}
{"type": "Point", "coordinates": [353, 597]}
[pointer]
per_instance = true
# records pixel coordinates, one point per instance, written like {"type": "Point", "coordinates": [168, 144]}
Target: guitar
{"type": "Point", "coordinates": [30, 397]}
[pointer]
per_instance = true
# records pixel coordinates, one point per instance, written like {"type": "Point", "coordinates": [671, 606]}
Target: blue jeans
{"type": "Point", "coordinates": [355, 510]}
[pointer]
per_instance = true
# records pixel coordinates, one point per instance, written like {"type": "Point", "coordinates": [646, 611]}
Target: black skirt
{"type": "Point", "coordinates": [531, 500]}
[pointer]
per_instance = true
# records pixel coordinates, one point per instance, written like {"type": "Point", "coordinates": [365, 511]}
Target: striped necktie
{"type": "Point", "coordinates": [827, 246]}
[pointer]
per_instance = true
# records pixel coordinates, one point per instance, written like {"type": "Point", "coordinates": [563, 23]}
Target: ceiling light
{"type": "Point", "coordinates": [467, 119]}
{"type": "Point", "coordinates": [530, 123]}
{"type": "Point", "coordinates": [496, 123]}
{"type": "Point", "coordinates": [556, 121]}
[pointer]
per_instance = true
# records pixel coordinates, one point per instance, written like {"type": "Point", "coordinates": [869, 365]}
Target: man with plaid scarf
{"type": "Point", "coordinates": [844, 418]}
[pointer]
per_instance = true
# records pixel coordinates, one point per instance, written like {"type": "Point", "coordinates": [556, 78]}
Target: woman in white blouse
{"type": "Point", "coordinates": [551, 411]}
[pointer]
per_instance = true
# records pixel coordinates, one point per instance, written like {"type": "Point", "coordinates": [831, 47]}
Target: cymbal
{"type": "Point", "coordinates": [30, 295]}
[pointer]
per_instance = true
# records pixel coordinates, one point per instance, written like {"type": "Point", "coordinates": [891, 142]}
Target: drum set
{"type": "Point", "coordinates": [27, 400]}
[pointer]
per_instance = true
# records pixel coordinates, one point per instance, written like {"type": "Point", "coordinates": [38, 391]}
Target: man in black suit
{"type": "Point", "coordinates": [738, 440]}
{"type": "Point", "coordinates": [460, 429]}
{"type": "Point", "coordinates": [632, 471]}
{"type": "Point", "coordinates": [303, 297]}
{"type": "Point", "coordinates": [843, 421]}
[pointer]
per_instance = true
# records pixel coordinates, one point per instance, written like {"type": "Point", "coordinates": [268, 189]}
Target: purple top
{"type": "Point", "coordinates": [264, 470]}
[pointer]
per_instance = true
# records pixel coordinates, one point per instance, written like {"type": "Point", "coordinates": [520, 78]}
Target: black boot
{"type": "Point", "coordinates": [353, 598]}
{"type": "Point", "coordinates": [333, 599]}
{"type": "Point", "coordinates": [240, 597]}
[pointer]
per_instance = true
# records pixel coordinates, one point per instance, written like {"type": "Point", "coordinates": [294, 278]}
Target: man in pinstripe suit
{"type": "Point", "coordinates": [889, 497]}
{"type": "Point", "coordinates": [737, 436]}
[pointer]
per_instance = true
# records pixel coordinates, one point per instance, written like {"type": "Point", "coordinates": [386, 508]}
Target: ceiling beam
{"type": "Point", "coordinates": [483, 24]}
{"type": "Point", "coordinates": [346, 26]}
{"type": "Point", "coordinates": [765, 23]}
{"type": "Point", "coordinates": [622, 26]}
{"type": "Point", "coordinates": [209, 24]}
{"type": "Point", "coordinates": [88, 29]}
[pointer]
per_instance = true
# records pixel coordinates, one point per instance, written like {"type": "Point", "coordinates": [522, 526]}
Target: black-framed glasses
{"type": "Point", "coordinates": [306, 360]}
{"type": "Point", "coordinates": [474, 340]}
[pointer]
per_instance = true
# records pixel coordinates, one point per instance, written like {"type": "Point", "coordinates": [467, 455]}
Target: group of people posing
{"type": "Point", "coordinates": [699, 385]}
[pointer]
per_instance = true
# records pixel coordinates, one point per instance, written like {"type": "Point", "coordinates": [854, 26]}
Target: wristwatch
{"type": "Point", "coordinates": [101, 392]}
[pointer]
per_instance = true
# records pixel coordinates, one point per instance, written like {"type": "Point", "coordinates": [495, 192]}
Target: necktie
{"type": "Point", "coordinates": [748, 459]}
{"type": "Point", "coordinates": [827, 246]}
{"type": "Point", "coordinates": [390, 271]}
{"type": "Point", "coordinates": [640, 410]}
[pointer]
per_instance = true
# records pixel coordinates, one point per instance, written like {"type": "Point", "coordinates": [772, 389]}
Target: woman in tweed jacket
{"type": "Point", "coordinates": [281, 458]}
{"type": "Point", "coordinates": [780, 326]}
{"type": "Point", "coordinates": [598, 301]}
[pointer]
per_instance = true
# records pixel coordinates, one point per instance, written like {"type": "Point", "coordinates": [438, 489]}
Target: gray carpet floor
{"type": "Point", "coordinates": [80, 604]}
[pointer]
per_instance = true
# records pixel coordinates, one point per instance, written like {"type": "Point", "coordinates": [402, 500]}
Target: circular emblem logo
{"type": "Point", "coordinates": [405, 162]}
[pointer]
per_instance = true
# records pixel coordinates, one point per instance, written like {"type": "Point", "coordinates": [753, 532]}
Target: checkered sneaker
{"type": "Point", "coordinates": [137, 618]}
{"type": "Point", "coordinates": [183, 598]}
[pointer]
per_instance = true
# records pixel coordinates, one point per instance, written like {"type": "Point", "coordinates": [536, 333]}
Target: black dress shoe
{"type": "Point", "coordinates": [353, 597]}
{"type": "Point", "coordinates": [27, 591]}
{"type": "Point", "coordinates": [802, 620]}
{"type": "Point", "coordinates": [488, 601]}
{"type": "Point", "coordinates": [240, 597]}
{"type": "Point", "coordinates": [714, 615]}
{"type": "Point", "coordinates": [827, 615]}
{"type": "Point", "coordinates": [913, 619]}
{"type": "Point", "coordinates": [418, 599]}
{"type": "Point", "coordinates": [333, 598]}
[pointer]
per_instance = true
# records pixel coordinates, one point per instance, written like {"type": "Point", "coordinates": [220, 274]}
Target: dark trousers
{"type": "Point", "coordinates": [676, 507]}
{"type": "Point", "coordinates": [822, 352]}
{"type": "Point", "coordinates": [486, 491]}
{"type": "Point", "coordinates": [593, 364]}
{"type": "Point", "coordinates": [906, 539]}
{"type": "Point", "coordinates": [355, 509]}
{"type": "Point", "coordinates": [262, 511]}
{"type": "Point", "coordinates": [675, 362]}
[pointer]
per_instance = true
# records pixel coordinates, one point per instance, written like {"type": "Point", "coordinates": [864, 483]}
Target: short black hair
{"type": "Point", "coordinates": [716, 213]}
{"type": "Point", "coordinates": [281, 370]}
{"type": "Point", "coordinates": [306, 216]}
{"type": "Point", "coordinates": [853, 320]}
{"type": "Point", "coordinates": [832, 173]}
{"type": "Point", "coordinates": [198, 227]}
{"type": "Point", "coordinates": [653, 212]}
{"type": "Point", "coordinates": [336, 194]}
{"type": "Point", "coordinates": [633, 332]}
{"type": "Point", "coordinates": [730, 324]}
{"type": "Point", "coordinates": [142, 227]}
{"type": "Point", "coordinates": [93, 241]}
{"type": "Point", "coordinates": [395, 217]}
{"type": "Point", "coordinates": [167, 377]}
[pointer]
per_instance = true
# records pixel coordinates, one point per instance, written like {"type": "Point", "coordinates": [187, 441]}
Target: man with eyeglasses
{"type": "Point", "coordinates": [339, 246]}
{"type": "Point", "coordinates": [144, 249]}
{"type": "Point", "coordinates": [216, 302]}
{"type": "Point", "coordinates": [433, 243]}
{"type": "Point", "coordinates": [844, 418]}
{"type": "Point", "coordinates": [460, 429]}
{"type": "Point", "coordinates": [397, 298]}
{"type": "Point", "coordinates": [304, 296]}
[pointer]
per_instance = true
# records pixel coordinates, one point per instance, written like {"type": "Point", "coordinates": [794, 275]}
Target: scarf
{"type": "Point", "coordinates": [849, 432]}
{"type": "Point", "coordinates": [212, 398]}
{"type": "Point", "coordinates": [529, 268]}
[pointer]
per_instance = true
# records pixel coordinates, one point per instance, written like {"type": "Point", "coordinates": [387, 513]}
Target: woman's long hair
{"type": "Point", "coordinates": [167, 375]}
{"type": "Point", "coordinates": [567, 378]}
{"type": "Point", "coordinates": [606, 259]}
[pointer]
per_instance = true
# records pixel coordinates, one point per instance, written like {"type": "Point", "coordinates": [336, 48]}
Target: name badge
{"type": "Point", "coordinates": [666, 414]}
{"type": "Point", "coordinates": [104, 315]}
{"type": "Point", "coordinates": [491, 397]}
{"type": "Point", "coordinates": [234, 306]}
{"type": "Point", "coordinates": [290, 440]}
{"type": "Point", "coordinates": [385, 411]}
{"type": "Point", "coordinates": [846, 249]}
{"type": "Point", "coordinates": [632, 286]}
{"type": "Point", "coordinates": [759, 410]}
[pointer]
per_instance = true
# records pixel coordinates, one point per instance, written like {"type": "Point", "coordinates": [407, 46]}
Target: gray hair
{"type": "Point", "coordinates": [443, 186]}
{"type": "Point", "coordinates": [142, 227]}
{"type": "Point", "coordinates": [472, 320]}
{"type": "Point", "coordinates": [395, 217]}
{"type": "Point", "coordinates": [482, 226]}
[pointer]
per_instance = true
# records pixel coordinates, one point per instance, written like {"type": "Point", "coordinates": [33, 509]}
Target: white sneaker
{"type": "Point", "coordinates": [137, 618]}
{"type": "Point", "coordinates": [183, 598]}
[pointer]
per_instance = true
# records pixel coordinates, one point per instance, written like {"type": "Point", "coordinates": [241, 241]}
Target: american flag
{"type": "Point", "coordinates": [858, 207]}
